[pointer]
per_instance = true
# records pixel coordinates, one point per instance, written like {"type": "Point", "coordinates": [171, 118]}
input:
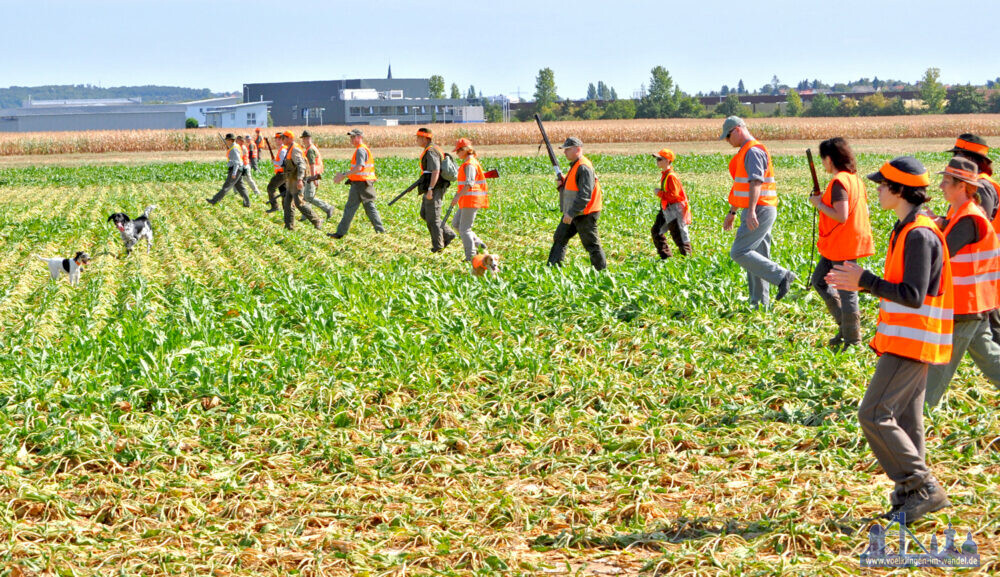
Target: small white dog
{"type": "Point", "coordinates": [70, 266]}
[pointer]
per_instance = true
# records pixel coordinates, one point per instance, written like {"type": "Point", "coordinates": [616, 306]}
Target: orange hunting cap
{"type": "Point", "coordinates": [288, 134]}
{"type": "Point", "coordinates": [666, 154]}
{"type": "Point", "coordinates": [257, 129]}
{"type": "Point", "coordinates": [970, 143]}
{"type": "Point", "coordinates": [277, 135]}
{"type": "Point", "coordinates": [462, 143]}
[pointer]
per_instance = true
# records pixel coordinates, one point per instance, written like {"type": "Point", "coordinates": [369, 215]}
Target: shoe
{"type": "Point", "coordinates": [246, 205]}
{"type": "Point", "coordinates": [334, 235]}
{"type": "Point", "coordinates": [928, 498]}
{"type": "Point", "coordinates": [302, 219]}
{"type": "Point", "coordinates": [897, 499]}
{"type": "Point", "coordinates": [836, 343]}
{"type": "Point", "coordinates": [436, 249]}
{"type": "Point", "coordinates": [329, 213]}
{"type": "Point", "coordinates": [210, 201]}
{"type": "Point", "coordinates": [270, 210]}
{"type": "Point", "coordinates": [447, 241]}
{"type": "Point", "coordinates": [785, 285]}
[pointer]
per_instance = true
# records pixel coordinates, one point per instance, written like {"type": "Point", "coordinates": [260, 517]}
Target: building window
{"type": "Point", "coordinates": [355, 111]}
{"type": "Point", "coordinates": [252, 118]}
{"type": "Point", "coordinates": [295, 114]}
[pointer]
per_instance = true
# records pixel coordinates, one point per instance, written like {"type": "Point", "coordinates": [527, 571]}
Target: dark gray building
{"type": "Point", "coordinates": [360, 101]}
{"type": "Point", "coordinates": [90, 117]}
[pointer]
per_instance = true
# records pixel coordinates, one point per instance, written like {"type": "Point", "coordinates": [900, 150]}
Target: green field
{"type": "Point", "coordinates": [250, 401]}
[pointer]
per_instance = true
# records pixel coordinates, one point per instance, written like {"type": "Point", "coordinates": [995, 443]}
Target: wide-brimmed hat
{"type": "Point", "coordinates": [229, 136]}
{"type": "Point", "coordinates": [305, 134]}
{"type": "Point", "coordinates": [904, 170]}
{"type": "Point", "coordinates": [962, 169]}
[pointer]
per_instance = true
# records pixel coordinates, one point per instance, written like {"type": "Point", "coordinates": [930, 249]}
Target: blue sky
{"type": "Point", "coordinates": [497, 46]}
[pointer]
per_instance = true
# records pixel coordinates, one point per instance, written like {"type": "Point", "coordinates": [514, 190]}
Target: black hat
{"type": "Point", "coordinates": [971, 144]}
{"type": "Point", "coordinates": [904, 170]}
{"type": "Point", "coordinates": [229, 136]}
{"type": "Point", "coordinates": [305, 134]}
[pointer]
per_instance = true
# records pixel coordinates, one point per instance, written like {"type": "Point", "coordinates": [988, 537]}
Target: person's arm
{"type": "Point", "coordinates": [432, 168]}
{"type": "Point", "coordinates": [301, 165]}
{"type": "Point", "coordinates": [988, 199]}
{"type": "Point", "coordinates": [963, 233]}
{"type": "Point", "coordinates": [756, 164]}
{"type": "Point", "coordinates": [838, 197]}
{"type": "Point", "coordinates": [585, 179]}
{"type": "Point", "coordinates": [922, 255]}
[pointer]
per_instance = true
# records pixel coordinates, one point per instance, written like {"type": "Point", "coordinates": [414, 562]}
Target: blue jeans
{"type": "Point", "coordinates": [751, 250]}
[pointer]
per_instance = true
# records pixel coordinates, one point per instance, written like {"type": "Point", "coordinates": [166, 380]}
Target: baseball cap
{"type": "Point", "coordinates": [572, 141]}
{"type": "Point", "coordinates": [730, 124]}
{"type": "Point", "coordinates": [462, 143]}
{"type": "Point", "coordinates": [665, 153]}
{"type": "Point", "coordinates": [355, 132]}
{"type": "Point", "coordinates": [904, 170]}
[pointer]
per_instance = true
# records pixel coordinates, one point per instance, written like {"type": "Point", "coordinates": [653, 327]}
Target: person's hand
{"type": "Point", "coordinates": [752, 222]}
{"type": "Point", "coordinates": [454, 201]}
{"type": "Point", "coordinates": [727, 224]}
{"type": "Point", "coordinates": [845, 277]}
{"type": "Point", "coordinates": [429, 195]}
{"type": "Point", "coordinates": [816, 200]}
{"type": "Point", "coordinates": [567, 219]}
{"type": "Point", "coordinates": [560, 181]}
{"type": "Point", "coordinates": [301, 184]}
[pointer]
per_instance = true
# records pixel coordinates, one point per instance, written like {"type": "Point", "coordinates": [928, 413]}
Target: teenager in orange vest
{"type": "Point", "coordinates": [472, 195]}
{"type": "Point", "coordinates": [297, 168]}
{"type": "Point", "coordinates": [975, 269]}
{"type": "Point", "coordinates": [845, 235]}
{"type": "Point", "coordinates": [674, 215]}
{"type": "Point", "coordinates": [754, 192]}
{"type": "Point", "coordinates": [581, 201]}
{"type": "Point", "coordinates": [315, 160]}
{"type": "Point", "coordinates": [245, 145]}
{"type": "Point", "coordinates": [914, 331]}
{"type": "Point", "coordinates": [276, 186]}
{"type": "Point", "coordinates": [362, 193]}
{"type": "Point", "coordinates": [253, 149]}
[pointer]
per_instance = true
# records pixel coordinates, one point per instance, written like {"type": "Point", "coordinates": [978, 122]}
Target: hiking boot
{"type": "Point", "coordinates": [897, 499]}
{"type": "Point", "coordinates": [447, 240]}
{"type": "Point", "coordinates": [335, 235]}
{"type": "Point", "coordinates": [210, 201]}
{"type": "Point", "coordinates": [785, 285]}
{"type": "Point", "coordinates": [837, 342]}
{"type": "Point", "coordinates": [329, 213]}
{"type": "Point", "coordinates": [927, 498]}
{"type": "Point", "coordinates": [270, 210]}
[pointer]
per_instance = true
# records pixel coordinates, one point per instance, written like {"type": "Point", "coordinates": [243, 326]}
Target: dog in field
{"type": "Point", "coordinates": [133, 230]}
{"type": "Point", "coordinates": [70, 266]}
{"type": "Point", "coordinates": [485, 263]}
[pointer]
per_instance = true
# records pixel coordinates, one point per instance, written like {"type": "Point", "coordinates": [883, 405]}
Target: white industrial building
{"type": "Point", "coordinates": [246, 115]}
{"type": "Point", "coordinates": [196, 108]}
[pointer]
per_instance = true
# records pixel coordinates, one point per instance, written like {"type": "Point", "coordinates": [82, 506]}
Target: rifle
{"type": "Point", "coordinates": [552, 154]}
{"type": "Point", "coordinates": [488, 174]}
{"type": "Point", "coordinates": [313, 178]}
{"type": "Point", "coordinates": [271, 152]}
{"type": "Point", "coordinates": [815, 191]}
{"type": "Point", "coordinates": [408, 189]}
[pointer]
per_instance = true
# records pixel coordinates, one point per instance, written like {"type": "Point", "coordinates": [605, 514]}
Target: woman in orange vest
{"type": "Point", "coordinates": [472, 195]}
{"type": "Point", "coordinates": [975, 269]}
{"type": "Point", "coordinates": [914, 332]}
{"type": "Point", "coordinates": [845, 234]}
{"type": "Point", "coordinates": [675, 212]}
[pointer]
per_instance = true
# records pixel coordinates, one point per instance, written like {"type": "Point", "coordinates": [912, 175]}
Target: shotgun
{"type": "Point", "coordinates": [552, 153]}
{"type": "Point", "coordinates": [408, 189]}
{"type": "Point", "coordinates": [488, 174]}
{"type": "Point", "coordinates": [271, 152]}
{"type": "Point", "coordinates": [815, 191]}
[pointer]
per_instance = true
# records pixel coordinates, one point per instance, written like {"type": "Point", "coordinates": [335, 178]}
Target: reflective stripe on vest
{"type": "Point", "coordinates": [244, 155]}
{"type": "Point", "coordinates": [597, 197]}
{"type": "Point", "coordinates": [851, 239]}
{"type": "Point", "coordinates": [317, 167]}
{"type": "Point", "coordinates": [474, 193]}
{"type": "Point", "coordinates": [922, 334]}
{"type": "Point", "coordinates": [279, 160]}
{"type": "Point", "coordinates": [367, 169]}
{"type": "Point", "coordinates": [975, 269]}
{"type": "Point", "coordinates": [739, 195]}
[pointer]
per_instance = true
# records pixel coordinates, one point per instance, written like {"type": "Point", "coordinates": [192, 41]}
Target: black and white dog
{"type": "Point", "coordinates": [70, 266]}
{"type": "Point", "coordinates": [133, 230]}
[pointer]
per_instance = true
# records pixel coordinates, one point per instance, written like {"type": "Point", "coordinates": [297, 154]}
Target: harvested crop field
{"type": "Point", "coordinates": [248, 401]}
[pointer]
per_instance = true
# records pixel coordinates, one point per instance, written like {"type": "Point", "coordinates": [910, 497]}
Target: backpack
{"type": "Point", "coordinates": [449, 170]}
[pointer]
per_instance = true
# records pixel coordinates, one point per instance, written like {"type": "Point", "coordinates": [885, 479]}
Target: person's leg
{"type": "Point", "coordinates": [273, 194]}
{"type": "Point", "coordinates": [353, 202]}
{"type": "Point", "coordinates": [850, 316]}
{"type": "Point", "coordinates": [309, 195]}
{"type": "Point", "coordinates": [248, 178]}
{"type": "Point", "coordinates": [226, 187]}
{"type": "Point", "coordinates": [994, 318]}
{"type": "Point", "coordinates": [299, 202]}
{"type": "Point", "coordinates": [830, 296]}
{"type": "Point", "coordinates": [560, 239]}
{"type": "Point", "coordinates": [896, 384]}
{"type": "Point", "coordinates": [463, 222]}
{"type": "Point", "coordinates": [985, 352]}
{"type": "Point", "coordinates": [659, 239]}
{"type": "Point", "coordinates": [679, 232]}
{"type": "Point", "coordinates": [751, 250]}
{"type": "Point", "coordinates": [241, 189]}
{"type": "Point", "coordinates": [366, 191]}
{"type": "Point", "coordinates": [938, 376]}
{"type": "Point", "coordinates": [287, 208]}
{"type": "Point", "coordinates": [429, 212]}
{"type": "Point", "coordinates": [586, 226]}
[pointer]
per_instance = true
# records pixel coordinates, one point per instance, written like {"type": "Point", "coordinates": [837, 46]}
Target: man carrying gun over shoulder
{"type": "Point", "coordinates": [432, 188]}
{"type": "Point", "coordinates": [580, 201]}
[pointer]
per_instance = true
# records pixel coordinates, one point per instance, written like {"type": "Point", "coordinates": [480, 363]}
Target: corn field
{"type": "Point", "coordinates": [249, 401]}
{"type": "Point", "coordinates": [591, 131]}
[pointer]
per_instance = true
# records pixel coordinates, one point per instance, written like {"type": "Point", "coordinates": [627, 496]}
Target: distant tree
{"type": "Point", "coordinates": [966, 100]}
{"type": "Point", "coordinates": [455, 92]}
{"type": "Point", "coordinates": [191, 123]}
{"type": "Point", "coordinates": [589, 110]}
{"type": "Point", "coordinates": [545, 92]}
{"type": "Point", "coordinates": [822, 105]}
{"type": "Point", "coordinates": [793, 104]}
{"type": "Point", "coordinates": [932, 92]}
{"type": "Point", "coordinates": [436, 85]}
{"type": "Point", "coordinates": [492, 111]}
{"type": "Point", "coordinates": [591, 92]}
{"type": "Point", "coordinates": [993, 105]}
{"type": "Point", "coordinates": [774, 84]}
{"type": "Point", "coordinates": [471, 94]}
{"type": "Point", "coordinates": [612, 95]}
{"type": "Point", "coordinates": [740, 88]}
{"type": "Point", "coordinates": [847, 107]}
{"type": "Point", "coordinates": [876, 83]}
{"type": "Point", "coordinates": [802, 85]}
{"type": "Point", "coordinates": [660, 101]}
{"type": "Point", "coordinates": [619, 109]}
{"type": "Point", "coordinates": [732, 106]}
{"type": "Point", "coordinates": [725, 90]}
{"type": "Point", "coordinates": [689, 107]}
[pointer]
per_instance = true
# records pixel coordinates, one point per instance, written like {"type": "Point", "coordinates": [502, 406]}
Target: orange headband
{"type": "Point", "coordinates": [972, 147]}
{"type": "Point", "coordinates": [424, 133]}
{"type": "Point", "coordinates": [896, 175]}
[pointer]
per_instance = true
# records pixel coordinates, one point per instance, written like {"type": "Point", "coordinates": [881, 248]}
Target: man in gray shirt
{"type": "Point", "coordinates": [432, 188]}
{"type": "Point", "coordinates": [234, 173]}
{"type": "Point", "coordinates": [581, 202]}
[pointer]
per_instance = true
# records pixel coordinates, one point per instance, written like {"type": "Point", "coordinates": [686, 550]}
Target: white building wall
{"type": "Point", "coordinates": [244, 116]}
{"type": "Point", "coordinates": [197, 108]}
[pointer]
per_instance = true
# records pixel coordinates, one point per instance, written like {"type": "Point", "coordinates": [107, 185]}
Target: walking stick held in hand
{"type": "Point", "coordinates": [815, 191]}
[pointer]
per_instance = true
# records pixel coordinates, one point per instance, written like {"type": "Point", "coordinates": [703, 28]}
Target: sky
{"type": "Point", "coordinates": [498, 46]}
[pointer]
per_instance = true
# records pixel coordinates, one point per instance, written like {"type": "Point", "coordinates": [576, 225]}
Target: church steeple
{"type": "Point", "coordinates": [389, 77]}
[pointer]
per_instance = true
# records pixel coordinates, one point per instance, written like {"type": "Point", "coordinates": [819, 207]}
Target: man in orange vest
{"type": "Point", "coordinates": [362, 177]}
{"type": "Point", "coordinates": [580, 201]}
{"type": "Point", "coordinates": [246, 145]}
{"type": "Point", "coordinates": [755, 193]}
{"type": "Point", "coordinates": [276, 186]}
{"type": "Point", "coordinates": [296, 170]}
{"type": "Point", "coordinates": [316, 166]}
{"type": "Point", "coordinates": [258, 142]}
{"type": "Point", "coordinates": [252, 149]}
{"type": "Point", "coordinates": [432, 189]}
{"type": "Point", "coordinates": [915, 324]}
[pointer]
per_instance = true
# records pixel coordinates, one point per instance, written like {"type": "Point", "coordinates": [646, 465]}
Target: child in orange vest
{"type": "Point", "coordinates": [675, 212]}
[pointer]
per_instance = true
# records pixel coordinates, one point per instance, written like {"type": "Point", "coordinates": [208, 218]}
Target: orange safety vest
{"type": "Point", "coordinates": [424, 153]}
{"type": "Point", "coordinates": [597, 198]}
{"type": "Point", "coordinates": [279, 160]}
{"type": "Point", "coordinates": [851, 239]}
{"type": "Point", "coordinates": [475, 195]}
{"type": "Point", "coordinates": [674, 195]}
{"type": "Point", "coordinates": [258, 140]}
{"type": "Point", "coordinates": [739, 195]}
{"type": "Point", "coordinates": [975, 270]}
{"type": "Point", "coordinates": [367, 170]}
{"type": "Point", "coordinates": [922, 334]}
{"type": "Point", "coordinates": [245, 155]}
{"type": "Point", "coordinates": [996, 187]}
{"type": "Point", "coordinates": [317, 167]}
{"type": "Point", "coordinates": [252, 149]}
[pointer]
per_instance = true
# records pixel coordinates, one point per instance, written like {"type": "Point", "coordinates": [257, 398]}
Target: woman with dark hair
{"type": "Point", "coordinates": [914, 331]}
{"type": "Point", "coordinates": [845, 235]}
{"type": "Point", "coordinates": [975, 266]}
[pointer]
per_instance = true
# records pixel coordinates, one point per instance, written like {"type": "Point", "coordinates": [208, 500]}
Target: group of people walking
{"type": "Point", "coordinates": [938, 299]}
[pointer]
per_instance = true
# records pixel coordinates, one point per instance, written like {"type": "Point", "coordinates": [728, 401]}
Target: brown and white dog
{"type": "Point", "coordinates": [70, 266]}
{"type": "Point", "coordinates": [486, 263]}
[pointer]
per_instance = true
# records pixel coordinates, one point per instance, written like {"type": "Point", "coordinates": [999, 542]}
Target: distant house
{"type": "Point", "coordinates": [196, 108]}
{"type": "Point", "coordinates": [50, 116]}
{"type": "Point", "coordinates": [246, 115]}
